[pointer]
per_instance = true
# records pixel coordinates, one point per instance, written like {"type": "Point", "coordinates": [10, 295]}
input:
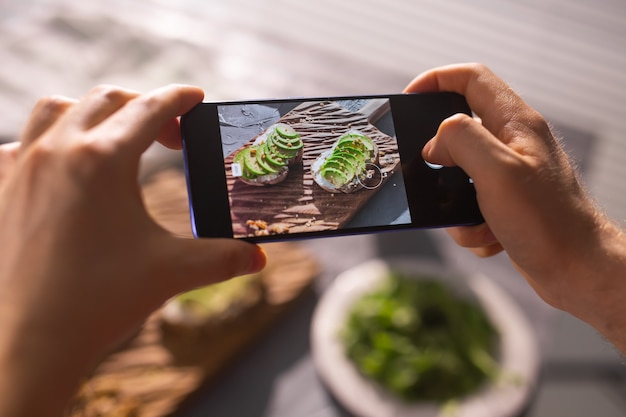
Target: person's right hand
{"type": "Point", "coordinates": [82, 262]}
{"type": "Point", "coordinates": [529, 194]}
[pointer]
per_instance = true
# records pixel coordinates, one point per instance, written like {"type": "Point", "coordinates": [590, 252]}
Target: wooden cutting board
{"type": "Point", "coordinates": [159, 369]}
{"type": "Point", "coordinates": [297, 202]}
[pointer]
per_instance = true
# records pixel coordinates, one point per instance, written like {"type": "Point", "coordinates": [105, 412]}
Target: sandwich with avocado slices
{"type": "Point", "coordinates": [268, 159]}
{"type": "Point", "coordinates": [343, 167]}
{"type": "Point", "coordinates": [212, 306]}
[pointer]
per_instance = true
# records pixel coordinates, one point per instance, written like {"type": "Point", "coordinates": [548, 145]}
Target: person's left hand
{"type": "Point", "coordinates": [82, 263]}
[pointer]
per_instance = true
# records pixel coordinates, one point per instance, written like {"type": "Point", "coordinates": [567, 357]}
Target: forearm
{"type": "Point", "coordinates": [579, 266]}
{"type": "Point", "coordinates": [585, 274]}
{"type": "Point", "coordinates": [601, 300]}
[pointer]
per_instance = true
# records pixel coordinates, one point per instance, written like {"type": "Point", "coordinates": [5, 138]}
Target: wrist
{"type": "Point", "coordinates": [40, 374]}
{"type": "Point", "coordinates": [600, 283]}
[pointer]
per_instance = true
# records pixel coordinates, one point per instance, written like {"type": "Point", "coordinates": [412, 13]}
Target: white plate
{"type": "Point", "coordinates": [519, 359]}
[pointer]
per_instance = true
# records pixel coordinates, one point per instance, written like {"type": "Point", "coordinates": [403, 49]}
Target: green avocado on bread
{"type": "Point", "coordinates": [344, 167]}
{"type": "Point", "coordinates": [268, 159]}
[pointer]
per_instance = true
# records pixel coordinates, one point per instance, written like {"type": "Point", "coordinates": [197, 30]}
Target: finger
{"type": "Point", "coordinates": [492, 165]}
{"type": "Point", "coordinates": [9, 153]}
{"type": "Point", "coordinates": [100, 103]}
{"type": "Point", "coordinates": [45, 113]}
{"type": "Point", "coordinates": [487, 95]}
{"type": "Point", "coordinates": [479, 239]}
{"type": "Point", "coordinates": [170, 134]}
{"type": "Point", "coordinates": [147, 116]}
{"type": "Point", "coordinates": [463, 141]}
{"type": "Point", "coordinates": [196, 262]}
{"type": "Point", "coordinates": [472, 236]}
{"type": "Point", "coordinates": [487, 251]}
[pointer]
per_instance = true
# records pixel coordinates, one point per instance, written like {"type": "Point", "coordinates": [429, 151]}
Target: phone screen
{"type": "Point", "coordinates": [280, 169]}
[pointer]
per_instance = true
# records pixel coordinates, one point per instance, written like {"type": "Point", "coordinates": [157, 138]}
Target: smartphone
{"type": "Point", "coordinates": [280, 169]}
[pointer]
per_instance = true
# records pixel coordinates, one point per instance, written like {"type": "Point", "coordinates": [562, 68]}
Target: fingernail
{"type": "Point", "coordinates": [259, 260]}
{"type": "Point", "coordinates": [426, 148]}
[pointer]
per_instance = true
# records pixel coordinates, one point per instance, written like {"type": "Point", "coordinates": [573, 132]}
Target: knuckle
{"type": "Point", "coordinates": [536, 123]}
{"type": "Point", "coordinates": [104, 89]}
{"type": "Point", "coordinates": [110, 93]}
{"type": "Point", "coordinates": [53, 105]}
{"type": "Point", "coordinates": [92, 151]}
{"type": "Point", "coordinates": [455, 123]}
{"type": "Point", "coordinates": [80, 155]}
{"type": "Point", "coordinates": [40, 159]}
{"type": "Point", "coordinates": [149, 102]}
{"type": "Point", "coordinates": [41, 151]}
{"type": "Point", "coordinates": [87, 156]}
{"type": "Point", "coordinates": [476, 69]}
{"type": "Point", "coordinates": [89, 163]}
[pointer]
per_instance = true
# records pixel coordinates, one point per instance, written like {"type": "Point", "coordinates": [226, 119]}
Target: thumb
{"type": "Point", "coordinates": [463, 141]}
{"type": "Point", "coordinates": [198, 262]}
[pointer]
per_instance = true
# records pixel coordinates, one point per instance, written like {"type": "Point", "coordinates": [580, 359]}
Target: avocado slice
{"type": "Point", "coordinates": [359, 140]}
{"type": "Point", "coordinates": [273, 157]}
{"type": "Point", "coordinates": [240, 159]}
{"type": "Point", "coordinates": [251, 164]}
{"type": "Point", "coordinates": [351, 139]}
{"type": "Point", "coordinates": [286, 131]}
{"type": "Point", "coordinates": [340, 164]}
{"type": "Point", "coordinates": [262, 160]}
{"type": "Point", "coordinates": [335, 176]}
{"type": "Point", "coordinates": [284, 146]}
{"type": "Point", "coordinates": [357, 151]}
{"type": "Point", "coordinates": [359, 165]}
{"type": "Point", "coordinates": [287, 144]}
{"type": "Point", "coordinates": [281, 150]}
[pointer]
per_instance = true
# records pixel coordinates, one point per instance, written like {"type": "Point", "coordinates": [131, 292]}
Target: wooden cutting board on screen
{"type": "Point", "coordinates": [297, 202]}
{"type": "Point", "coordinates": [161, 367]}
